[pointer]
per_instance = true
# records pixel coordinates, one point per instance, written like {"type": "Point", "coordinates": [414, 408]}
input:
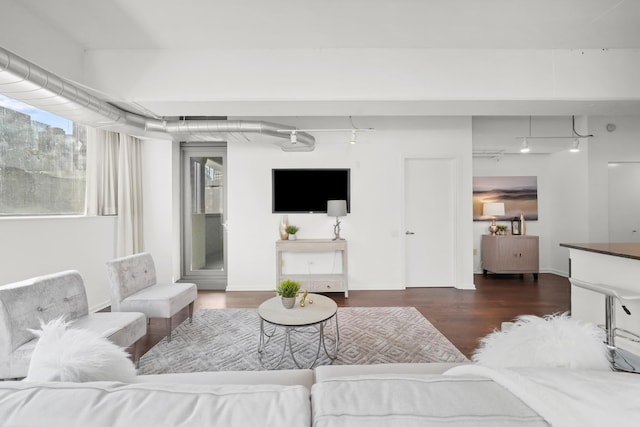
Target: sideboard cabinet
{"type": "Point", "coordinates": [510, 254]}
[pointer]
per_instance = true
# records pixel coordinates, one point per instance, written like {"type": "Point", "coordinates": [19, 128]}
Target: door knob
{"type": "Point", "coordinates": [409, 232]}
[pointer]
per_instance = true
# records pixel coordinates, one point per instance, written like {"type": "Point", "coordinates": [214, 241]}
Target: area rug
{"type": "Point", "coordinates": [227, 339]}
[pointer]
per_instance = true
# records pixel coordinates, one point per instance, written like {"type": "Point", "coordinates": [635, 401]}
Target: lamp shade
{"type": "Point", "coordinates": [336, 207]}
{"type": "Point", "coordinates": [493, 209]}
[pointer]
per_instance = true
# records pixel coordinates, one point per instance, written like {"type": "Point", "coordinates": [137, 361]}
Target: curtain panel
{"type": "Point", "coordinates": [114, 185]}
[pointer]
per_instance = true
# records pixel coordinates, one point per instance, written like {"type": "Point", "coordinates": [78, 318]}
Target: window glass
{"type": "Point", "coordinates": [42, 162]}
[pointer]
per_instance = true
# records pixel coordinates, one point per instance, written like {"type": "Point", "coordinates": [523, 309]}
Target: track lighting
{"type": "Point", "coordinates": [352, 140]}
{"type": "Point", "coordinates": [575, 148]}
{"type": "Point", "coordinates": [575, 136]}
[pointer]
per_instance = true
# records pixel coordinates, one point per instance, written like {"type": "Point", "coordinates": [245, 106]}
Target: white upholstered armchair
{"type": "Point", "coordinates": [134, 288]}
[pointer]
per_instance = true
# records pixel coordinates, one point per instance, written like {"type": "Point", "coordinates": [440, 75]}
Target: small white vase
{"type": "Point", "coordinates": [292, 237]}
{"type": "Point", "coordinates": [284, 222]}
{"type": "Point", "coordinates": [288, 302]}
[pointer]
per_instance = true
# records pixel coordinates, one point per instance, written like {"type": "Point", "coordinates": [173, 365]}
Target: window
{"type": "Point", "coordinates": [42, 162]}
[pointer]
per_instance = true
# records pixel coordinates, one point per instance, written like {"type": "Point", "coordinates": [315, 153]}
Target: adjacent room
{"type": "Point", "coordinates": [225, 197]}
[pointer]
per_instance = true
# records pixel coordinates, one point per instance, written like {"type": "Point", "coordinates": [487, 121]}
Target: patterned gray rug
{"type": "Point", "coordinates": [227, 339]}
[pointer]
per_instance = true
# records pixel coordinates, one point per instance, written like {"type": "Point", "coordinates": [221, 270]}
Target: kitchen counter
{"type": "Point", "coordinates": [614, 265]}
{"type": "Point", "coordinates": [625, 250]}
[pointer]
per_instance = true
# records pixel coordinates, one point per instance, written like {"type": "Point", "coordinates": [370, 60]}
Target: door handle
{"type": "Point", "coordinates": [409, 232]}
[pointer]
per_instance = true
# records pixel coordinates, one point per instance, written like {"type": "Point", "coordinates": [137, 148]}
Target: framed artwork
{"type": "Point", "coordinates": [518, 193]}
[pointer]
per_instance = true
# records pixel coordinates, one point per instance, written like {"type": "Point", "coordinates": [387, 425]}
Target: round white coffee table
{"type": "Point", "coordinates": [315, 315]}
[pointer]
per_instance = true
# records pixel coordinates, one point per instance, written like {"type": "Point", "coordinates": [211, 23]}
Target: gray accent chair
{"type": "Point", "coordinates": [23, 305]}
{"type": "Point", "coordinates": [134, 288]}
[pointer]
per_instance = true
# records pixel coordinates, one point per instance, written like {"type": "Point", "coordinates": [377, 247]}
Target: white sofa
{"type": "Point", "coordinates": [423, 394]}
{"type": "Point", "coordinates": [24, 304]}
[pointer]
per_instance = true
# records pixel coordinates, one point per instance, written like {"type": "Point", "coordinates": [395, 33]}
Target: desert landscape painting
{"type": "Point", "coordinates": [518, 193]}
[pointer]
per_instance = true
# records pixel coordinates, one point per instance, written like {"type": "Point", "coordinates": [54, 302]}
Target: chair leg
{"type": "Point", "coordinates": [191, 312]}
{"type": "Point", "coordinates": [168, 322]}
{"type": "Point", "coordinates": [136, 353]}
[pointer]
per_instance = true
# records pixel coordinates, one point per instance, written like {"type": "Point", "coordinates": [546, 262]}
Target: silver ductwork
{"type": "Point", "coordinates": [27, 82]}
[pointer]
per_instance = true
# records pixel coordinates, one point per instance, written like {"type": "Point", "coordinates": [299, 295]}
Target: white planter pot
{"type": "Point", "coordinates": [292, 237]}
{"type": "Point", "coordinates": [288, 302]}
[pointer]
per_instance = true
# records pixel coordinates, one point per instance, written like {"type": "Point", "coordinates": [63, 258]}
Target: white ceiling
{"type": "Point", "coordinates": [520, 24]}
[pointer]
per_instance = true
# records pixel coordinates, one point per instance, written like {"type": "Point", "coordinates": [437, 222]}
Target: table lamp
{"type": "Point", "coordinates": [337, 208]}
{"type": "Point", "coordinates": [493, 210]}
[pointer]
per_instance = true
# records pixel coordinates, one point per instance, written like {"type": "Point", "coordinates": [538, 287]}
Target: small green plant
{"type": "Point", "coordinates": [502, 229]}
{"type": "Point", "coordinates": [288, 288]}
{"type": "Point", "coordinates": [292, 229]}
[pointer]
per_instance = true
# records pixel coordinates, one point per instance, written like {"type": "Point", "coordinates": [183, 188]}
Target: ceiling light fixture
{"type": "Point", "coordinates": [575, 148]}
{"type": "Point", "coordinates": [525, 146]}
{"type": "Point", "coordinates": [574, 135]}
{"type": "Point", "coordinates": [352, 140]}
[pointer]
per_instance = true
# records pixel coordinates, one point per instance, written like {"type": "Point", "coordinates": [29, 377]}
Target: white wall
{"type": "Point", "coordinates": [562, 188]}
{"type": "Point", "coordinates": [36, 246]}
{"type": "Point", "coordinates": [571, 194]}
{"type": "Point", "coordinates": [605, 147]}
{"type": "Point", "coordinates": [374, 226]}
{"type": "Point", "coordinates": [161, 212]}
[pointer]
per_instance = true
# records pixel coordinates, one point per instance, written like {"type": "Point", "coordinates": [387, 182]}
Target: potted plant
{"type": "Point", "coordinates": [502, 230]}
{"type": "Point", "coordinates": [292, 230]}
{"type": "Point", "coordinates": [288, 290]}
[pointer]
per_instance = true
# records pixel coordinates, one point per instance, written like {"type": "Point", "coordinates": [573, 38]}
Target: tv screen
{"type": "Point", "coordinates": [307, 190]}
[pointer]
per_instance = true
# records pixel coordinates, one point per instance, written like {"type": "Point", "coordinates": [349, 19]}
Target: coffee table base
{"type": "Point", "coordinates": [265, 337]}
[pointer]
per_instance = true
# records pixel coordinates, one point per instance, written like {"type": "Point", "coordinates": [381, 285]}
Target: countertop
{"type": "Point", "coordinates": [624, 250]}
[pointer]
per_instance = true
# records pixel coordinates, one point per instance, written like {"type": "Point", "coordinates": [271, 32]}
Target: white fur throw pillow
{"type": "Point", "coordinates": [554, 341]}
{"type": "Point", "coordinates": [77, 355]}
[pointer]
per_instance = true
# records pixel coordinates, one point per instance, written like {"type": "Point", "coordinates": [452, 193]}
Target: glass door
{"type": "Point", "coordinates": [204, 236]}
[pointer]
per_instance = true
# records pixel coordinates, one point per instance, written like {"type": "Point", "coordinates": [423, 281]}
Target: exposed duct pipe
{"type": "Point", "coordinates": [36, 86]}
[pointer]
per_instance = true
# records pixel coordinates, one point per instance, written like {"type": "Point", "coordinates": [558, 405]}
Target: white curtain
{"type": "Point", "coordinates": [129, 238]}
{"type": "Point", "coordinates": [114, 185]}
{"type": "Point", "coordinates": [102, 172]}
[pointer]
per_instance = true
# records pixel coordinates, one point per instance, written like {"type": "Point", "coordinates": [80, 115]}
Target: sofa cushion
{"type": "Point", "coordinates": [405, 400]}
{"type": "Point", "coordinates": [303, 377]}
{"type": "Point", "coordinates": [117, 404]}
{"type": "Point", "coordinates": [121, 328]}
{"type": "Point", "coordinates": [324, 372]}
{"type": "Point", "coordinates": [77, 355]}
{"type": "Point", "coordinates": [161, 300]}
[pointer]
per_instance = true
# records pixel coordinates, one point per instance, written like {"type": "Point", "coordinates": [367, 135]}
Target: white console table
{"type": "Point", "coordinates": [323, 282]}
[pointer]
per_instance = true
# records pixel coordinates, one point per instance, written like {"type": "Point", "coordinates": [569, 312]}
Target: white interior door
{"type": "Point", "coordinates": [624, 202]}
{"type": "Point", "coordinates": [430, 233]}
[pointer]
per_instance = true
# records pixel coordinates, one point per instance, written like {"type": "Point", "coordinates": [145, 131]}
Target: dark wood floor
{"type": "Point", "coordinates": [463, 316]}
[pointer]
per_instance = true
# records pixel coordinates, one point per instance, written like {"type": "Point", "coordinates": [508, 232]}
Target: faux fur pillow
{"type": "Point", "coordinates": [551, 341]}
{"type": "Point", "coordinates": [77, 355]}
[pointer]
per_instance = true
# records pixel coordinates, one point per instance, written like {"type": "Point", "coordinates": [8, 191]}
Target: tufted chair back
{"type": "Point", "coordinates": [49, 297]}
{"type": "Point", "coordinates": [128, 275]}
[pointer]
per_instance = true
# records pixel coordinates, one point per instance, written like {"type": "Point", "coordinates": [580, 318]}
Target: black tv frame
{"type": "Point", "coordinates": [310, 183]}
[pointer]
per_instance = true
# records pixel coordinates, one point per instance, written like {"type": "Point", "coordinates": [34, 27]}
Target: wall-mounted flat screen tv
{"type": "Point", "coordinates": [307, 190]}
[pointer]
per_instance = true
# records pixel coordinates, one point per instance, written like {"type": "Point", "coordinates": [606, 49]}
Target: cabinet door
{"type": "Point", "coordinates": [528, 253]}
{"type": "Point", "coordinates": [518, 254]}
